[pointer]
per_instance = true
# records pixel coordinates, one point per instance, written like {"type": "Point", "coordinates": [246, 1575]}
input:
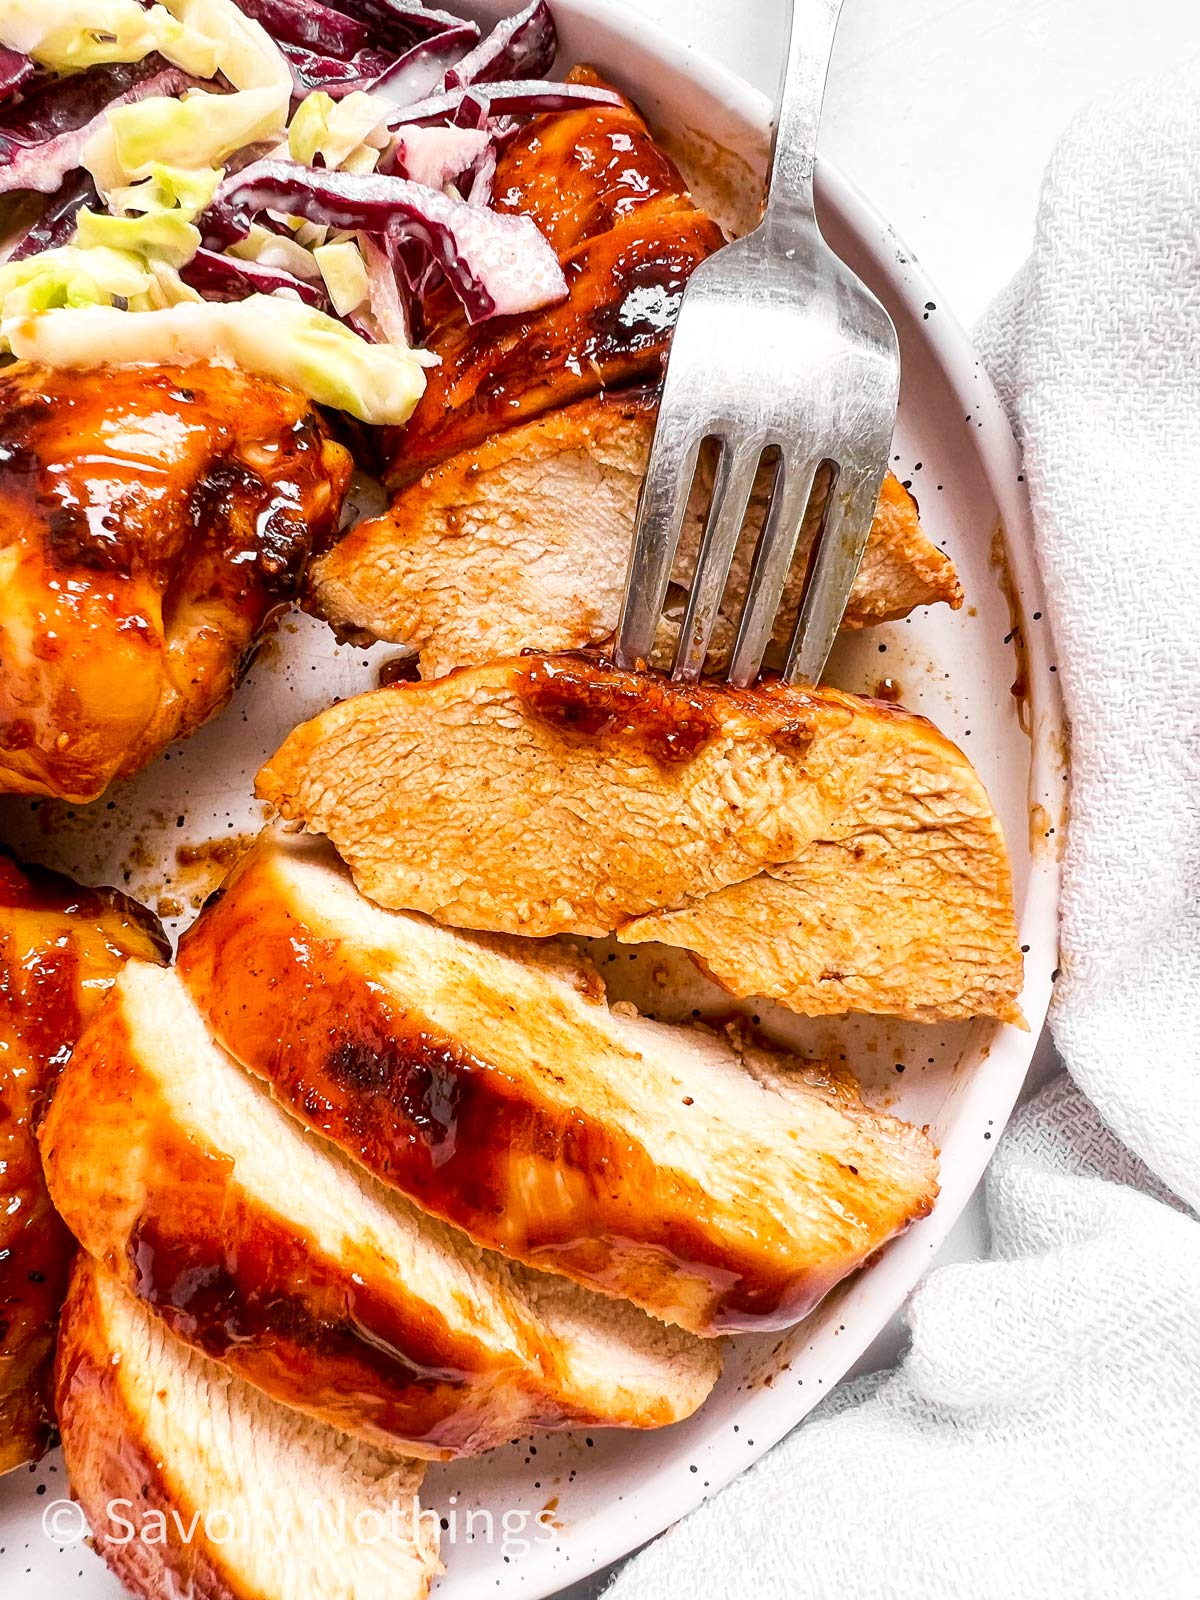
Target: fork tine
{"type": "Point", "coordinates": [840, 546]}
{"type": "Point", "coordinates": [736, 472]}
{"type": "Point", "coordinates": [772, 562]}
{"type": "Point", "coordinates": [668, 484]}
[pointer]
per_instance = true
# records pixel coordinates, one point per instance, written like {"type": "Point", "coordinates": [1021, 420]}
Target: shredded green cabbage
{"type": "Point", "coordinates": [165, 235]}
{"type": "Point", "coordinates": [345, 274]}
{"type": "Point", "coordinates": [167, 188]}
{"type": "Point", "coordinates": [67, 35]}
{"type": "Point", "coordinates": [200, 131]}
{"type": "Point", "coordinates": [339, 131]}
{"type": "Point", "coordinates": [276, 250]}
{"type": "Point", "coordinates": [69, 276]}
{"type": "Point", "coordinates": [279, 338]}
{"type": "Point", "coordinates": [92, 274]}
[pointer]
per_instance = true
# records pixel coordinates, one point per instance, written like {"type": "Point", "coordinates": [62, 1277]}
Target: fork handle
{"type": "Point", "coordinates": [802, 91]}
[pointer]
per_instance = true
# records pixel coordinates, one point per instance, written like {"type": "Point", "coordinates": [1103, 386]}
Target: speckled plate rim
{"type": "Point", "coordinates": [616, 34]}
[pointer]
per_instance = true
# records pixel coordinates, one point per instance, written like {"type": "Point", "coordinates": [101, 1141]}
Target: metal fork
{"type": "Point", "coordinates": [778, 347]}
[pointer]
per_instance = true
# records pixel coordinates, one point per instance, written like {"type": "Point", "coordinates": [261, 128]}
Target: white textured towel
{"type": "Point", "coordinates": [1042, 1436]}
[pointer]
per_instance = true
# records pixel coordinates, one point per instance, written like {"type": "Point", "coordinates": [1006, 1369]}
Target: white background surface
{"type": "Point", "coordinates": [945, 114]}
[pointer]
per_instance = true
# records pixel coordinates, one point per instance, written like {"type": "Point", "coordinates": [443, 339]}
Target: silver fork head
{"type": "Point", "coordinates": [778, 347]}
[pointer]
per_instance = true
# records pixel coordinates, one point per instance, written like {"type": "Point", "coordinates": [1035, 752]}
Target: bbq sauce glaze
{"type": "Point", "coordinates": [546, 1184]}
{"type": "Point", "coordinates": [61, 948]}
{"type": "Point", "coordinates": [152, 523]}
{"type": "Point", "coordinates": [628, 235]}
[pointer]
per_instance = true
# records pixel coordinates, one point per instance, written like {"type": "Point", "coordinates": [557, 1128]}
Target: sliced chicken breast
{"type": "Point", "coordinates": [61, 947]}
{"type": "Point", "coordinates": [556, 794]}
{"type": "Point", "coordinates": [903, 906]}
{"type": "Point", "coordinates": [523, 542]}
{"type": "Point", "coordinates": [196, 1484]}
{"type": "Point", "coordinates": [716, 1184]}
{"type": "Point", "coordinates": [259, 1244]}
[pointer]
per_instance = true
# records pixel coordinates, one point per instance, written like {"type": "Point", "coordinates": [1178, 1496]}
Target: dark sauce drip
{"type": "Point", "coordinates": [89, 537]}
{"type": "Point", "coordinates": [400, 669]}
{"type": "Point", "coordinates": [667, 723]}
{"type": "Point", "coordinates": [272, 1289]}
{"type": "Point", "coordinates": [794, 736]}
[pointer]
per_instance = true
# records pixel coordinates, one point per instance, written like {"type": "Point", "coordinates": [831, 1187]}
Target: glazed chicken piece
{"type": "Point", "coordinates": [61, 948]}
{"type": "Point", "coordinates": [153, 1429]}
{"type": "Point", "coordinates": [264, 1248]}
{"type": "Point", "coordinates": [545, 795]}
{"type": "Point", "coordinates": [153, 522]}
{"type": "Point", "coordinates": [628, 235]}
{"type": "Point", "coordinates": [716, 1183]}
{"type": "Point", "coordinates": [520, 470]}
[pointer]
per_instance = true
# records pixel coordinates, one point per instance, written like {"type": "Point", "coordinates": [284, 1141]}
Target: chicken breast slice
{"type": "Point", "coordinates": [261, 1245]}
{"type": "Point", "coordinates": [715, 1183]}
{"type": "Point", "coordinates": [523, 543]}
{"type": "Point", "coordinates": [195, 1484]}
{"type": "Point", "coordinates": [556, 794]}
{"type": "Point", "coordinates": [902, 907]}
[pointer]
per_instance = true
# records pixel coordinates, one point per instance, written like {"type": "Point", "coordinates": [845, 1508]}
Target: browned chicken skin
{"type": "Point", "coordinates": [152, 523]}
{"type": "Point", "coordinates": [61, 948]}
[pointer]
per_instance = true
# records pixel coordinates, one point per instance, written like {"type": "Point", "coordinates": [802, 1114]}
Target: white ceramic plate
{"type": "Point", "coordinates": [610, 1492]}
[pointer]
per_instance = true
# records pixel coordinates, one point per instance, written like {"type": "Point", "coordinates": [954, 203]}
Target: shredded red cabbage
{"type": "Point", "coordinates": [43, 137]}
{"type": "Point", "coordinates": [220, 277]}
{"type": "Point", "coordinates": [474, 111]}
{"type": "Point", "coordinates": [523, 46]}
{"type": "Point", "coordinates": [438, 156]}
{"type": "Point", "coordinates": [336, 77]}
{"type": "Point", "coordinates": [483, 178]}
{"type": "Point", "coordinates": [421, 70]}
{"type": "Point", "coordinates": [56, 224]}
{"type": "Point", "coordinates": [307, 22]}
{"type": "Point", "coordinates": [396, 24]}
{"type": "Point", "coordinates": [521, 96]}
{"type": "Point", "coordinates": [16, 72]}
{"type": "Point", "coordinates": [496, 264]}
{"type": "Point", "coordinates": [61, 105]}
